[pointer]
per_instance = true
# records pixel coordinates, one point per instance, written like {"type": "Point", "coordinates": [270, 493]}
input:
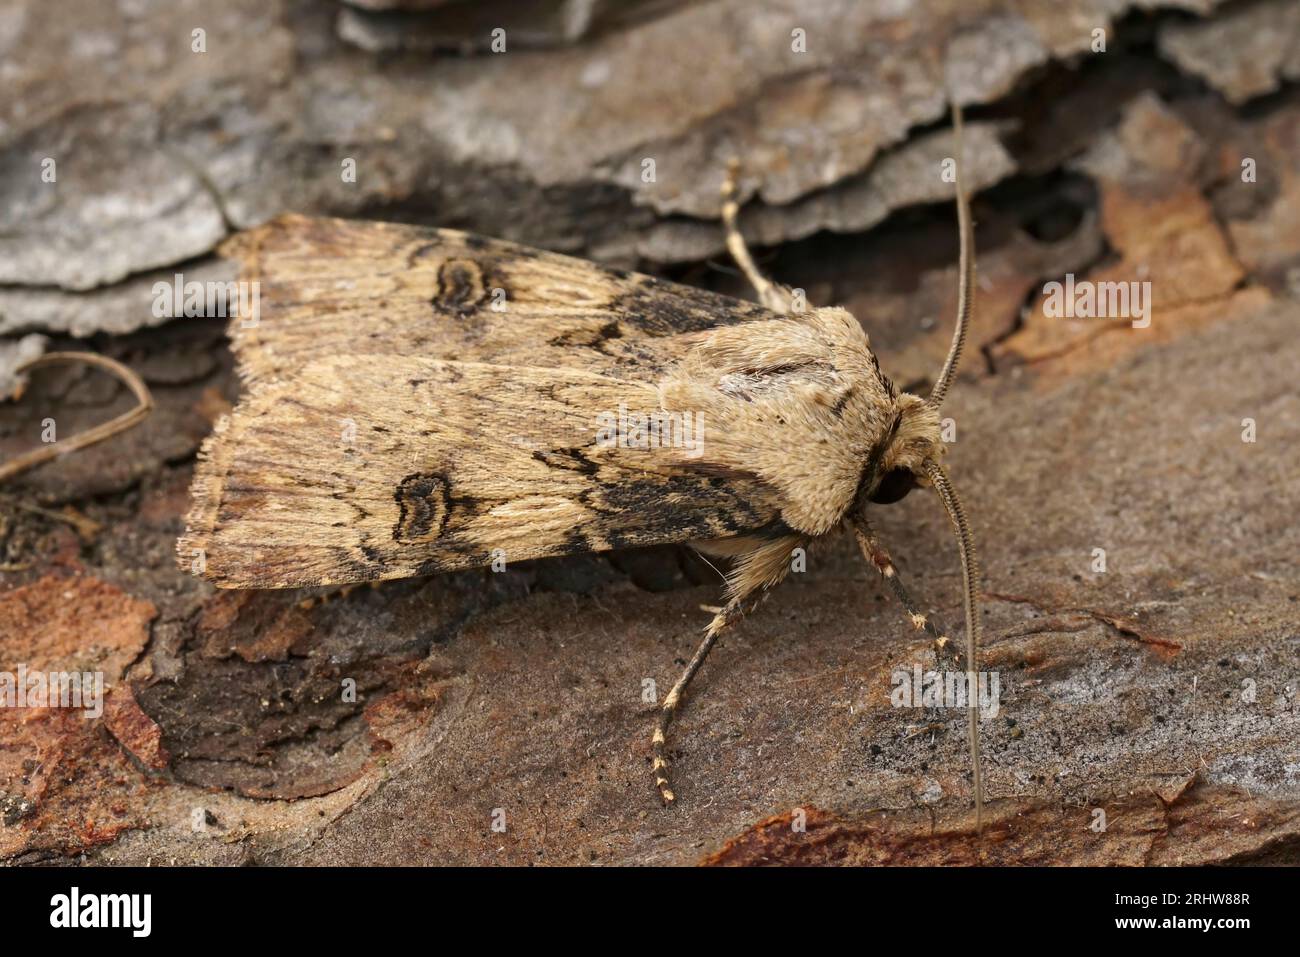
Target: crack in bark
{"type": "Point", "coordinates": [1120, 626]}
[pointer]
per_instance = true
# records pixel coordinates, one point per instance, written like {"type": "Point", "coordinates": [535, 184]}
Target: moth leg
{"type": "Point", "coordinates": [875, 552]}
{"type": "Point", "coordinates": [340, 591]}
{"type": "Point", "coordinates": [725, 617]}
{"type": "Point", "coordinates": [771, 295]}
{"type": "Point", "coordinates": [760, 565]}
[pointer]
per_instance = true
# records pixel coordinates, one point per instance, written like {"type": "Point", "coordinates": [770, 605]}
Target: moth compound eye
{"type": "Point", "coordinates": [895, 484]}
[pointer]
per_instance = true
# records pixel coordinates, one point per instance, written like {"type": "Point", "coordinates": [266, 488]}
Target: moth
{"type": "Point", "coordinates": [422, 400]}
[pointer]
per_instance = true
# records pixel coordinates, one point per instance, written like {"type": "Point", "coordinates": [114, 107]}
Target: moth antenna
{"type": "Point", "coordinates": [966, 271]}
{"type": "Point", "coordinates": [93, 435]}
{"type": "Point", "coordinates": [970, 582]}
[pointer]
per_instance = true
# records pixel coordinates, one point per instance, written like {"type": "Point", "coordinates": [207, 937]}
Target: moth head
{"type": "Point", "coordinates": [913, 441]}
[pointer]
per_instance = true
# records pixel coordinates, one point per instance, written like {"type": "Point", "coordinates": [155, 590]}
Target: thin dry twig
{"type": "Point", "coordinates": [30, 460]}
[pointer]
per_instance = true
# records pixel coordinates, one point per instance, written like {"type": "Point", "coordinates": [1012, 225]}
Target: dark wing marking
{"type": "Point", "coordinates": [345, 287]}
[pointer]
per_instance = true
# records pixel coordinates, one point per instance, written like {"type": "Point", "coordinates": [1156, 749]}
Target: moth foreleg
{"type": "Point", "coordinates": [726, 616]}
{"type": "Point", "coordinates": [875, 552]}
{"type": "Point", "coordinates": [761, 564]}
{"type": "Point", "coordinates": [775, 297]}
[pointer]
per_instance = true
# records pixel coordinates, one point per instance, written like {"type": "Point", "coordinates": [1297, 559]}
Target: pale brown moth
{"type": "Point", "coordinates": [422, 400]}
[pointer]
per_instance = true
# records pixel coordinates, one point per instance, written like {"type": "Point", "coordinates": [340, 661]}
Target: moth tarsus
{"type": "Point", "coordinates": [725, 617]}
{"type": "Point", "coordinates": [398, 423]}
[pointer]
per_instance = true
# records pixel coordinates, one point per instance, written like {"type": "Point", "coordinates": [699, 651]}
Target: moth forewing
{"type": "Point", "coordinates": [333, 287]}
{"type": "Point", "coordinates": [373, 466]}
